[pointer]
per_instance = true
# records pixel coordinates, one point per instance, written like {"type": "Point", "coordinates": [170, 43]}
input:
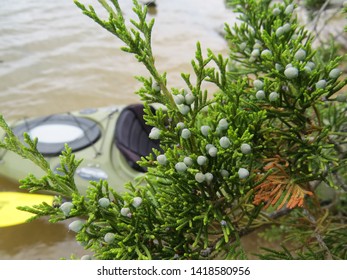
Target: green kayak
{"type": "Point", "coordinates": [109, 140]}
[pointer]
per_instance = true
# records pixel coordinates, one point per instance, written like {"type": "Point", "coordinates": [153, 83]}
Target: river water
{"type": "Point", "coordinates": [54, 59]}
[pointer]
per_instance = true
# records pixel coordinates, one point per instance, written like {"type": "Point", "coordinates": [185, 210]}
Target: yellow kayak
{"type": "Point", "coordinates": [9, 201]}
{"type": "Point", "coordinates": [110, 141]}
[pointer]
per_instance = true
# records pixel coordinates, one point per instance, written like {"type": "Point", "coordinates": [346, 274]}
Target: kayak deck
{"type": "Point", "coordinates": [113, 140]}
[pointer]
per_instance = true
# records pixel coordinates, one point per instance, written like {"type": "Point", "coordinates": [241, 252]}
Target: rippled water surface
{"type": "Point", "coordinates": [54, 59]}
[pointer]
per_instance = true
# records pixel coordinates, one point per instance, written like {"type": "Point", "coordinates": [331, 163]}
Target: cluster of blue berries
{"type": "Point", "coordinates": [201, 161]}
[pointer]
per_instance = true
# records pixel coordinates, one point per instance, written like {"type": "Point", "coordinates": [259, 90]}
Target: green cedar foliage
{"type": "Point", "coordinates": [257, 153]}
